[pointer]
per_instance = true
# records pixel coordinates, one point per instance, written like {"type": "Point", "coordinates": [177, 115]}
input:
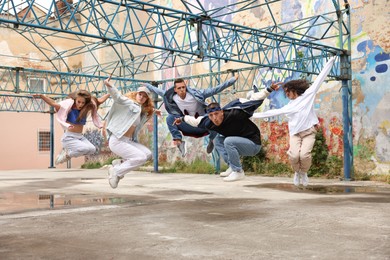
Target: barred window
{"type": "Point", "coordinates": [43, 140]}
{"type": "Point", "coordinates": [37, 85]}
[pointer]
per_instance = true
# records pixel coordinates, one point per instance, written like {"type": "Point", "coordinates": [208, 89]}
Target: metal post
{"type": "Point", "coordinates": [216, 155]}
{"type": "Point", "coordinates": [51, 137]}
{"type": "Point", "coordinates": [17, 76]}
{"type": "Point", "coordinates": [155, 132]}
{"type": "Point", "coordinates": [347, 148]}
{"type": "Point", "coordinates": [345, 74]}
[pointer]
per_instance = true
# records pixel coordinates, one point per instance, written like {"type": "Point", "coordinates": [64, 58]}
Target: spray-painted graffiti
{"type": "Point", "coordinates": [370, 88]}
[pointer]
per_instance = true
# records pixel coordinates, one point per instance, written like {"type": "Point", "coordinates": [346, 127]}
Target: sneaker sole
{"type": "Point", "coordinates": [231, 180]}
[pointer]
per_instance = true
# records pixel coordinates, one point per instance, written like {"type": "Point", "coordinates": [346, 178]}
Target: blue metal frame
{"type": "Point", "coordinates": [290, 47]}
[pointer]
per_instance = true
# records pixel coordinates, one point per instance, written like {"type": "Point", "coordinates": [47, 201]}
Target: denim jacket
{"type": "Point", "coordinates": [123, 114]}
{"type": "Point", "coordinates": [199, 94]}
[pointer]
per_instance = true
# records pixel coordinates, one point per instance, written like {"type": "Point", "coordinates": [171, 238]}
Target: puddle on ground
{"type": "Point", "coordinates": [323, 189]}
{"type": "Point", "coordinates": [179, 192]}
{"type": "Point", "coordinates": [11, 202]}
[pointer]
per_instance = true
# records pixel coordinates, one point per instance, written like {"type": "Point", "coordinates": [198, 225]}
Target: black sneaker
{"type": "Point", "coordinates": [210, 146]}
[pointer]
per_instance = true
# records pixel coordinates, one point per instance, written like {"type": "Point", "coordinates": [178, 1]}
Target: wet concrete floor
{"type": "Point", "coordinates": [56, 214]}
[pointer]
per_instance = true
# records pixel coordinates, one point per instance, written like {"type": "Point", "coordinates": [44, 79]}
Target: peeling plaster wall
{"type": "Point", "coordinates": [371, 88]}
{"type": "Point", "coordinates": [371, 84]}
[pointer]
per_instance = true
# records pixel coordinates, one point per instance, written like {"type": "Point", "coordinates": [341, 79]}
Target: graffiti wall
{"type": "Point", "coordinates": [371, 88]}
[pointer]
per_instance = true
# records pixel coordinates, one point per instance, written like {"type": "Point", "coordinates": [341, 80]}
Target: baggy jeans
{"type": "Point", "coordinates": [232, 147]}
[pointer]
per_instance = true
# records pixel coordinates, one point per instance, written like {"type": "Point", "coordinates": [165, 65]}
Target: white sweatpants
{"type": "Point", "coordinates": [77, 145]}
{"type": "Point", "coordinates": [133, 154]}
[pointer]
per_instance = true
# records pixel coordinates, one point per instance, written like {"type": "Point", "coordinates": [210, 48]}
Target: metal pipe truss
{"type": "Point", "coordinates": [206, 38]}
{"type": "Point", "coordinates": [145, 38]}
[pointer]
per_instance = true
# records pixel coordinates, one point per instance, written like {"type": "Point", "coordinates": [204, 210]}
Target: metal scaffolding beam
{"type": "Point", "coordinates": [156, 27]}
{"type": "Point", "coordinates": [143, 37]}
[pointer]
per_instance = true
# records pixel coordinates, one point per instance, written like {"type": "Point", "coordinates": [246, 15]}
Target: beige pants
{"type": "Point", "coordinates": [299, 153]}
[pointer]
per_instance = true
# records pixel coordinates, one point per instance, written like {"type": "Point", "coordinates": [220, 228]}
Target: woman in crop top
{"type": "Point", "coordinates": [72, 115]}
{"type": "Point", "coordinates": [127, 115]}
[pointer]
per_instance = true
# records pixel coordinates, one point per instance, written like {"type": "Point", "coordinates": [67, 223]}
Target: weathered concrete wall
{"type": "Point", "coordinates": [371, 90]}
{"type": "Point", "coordinates": [370, 57]}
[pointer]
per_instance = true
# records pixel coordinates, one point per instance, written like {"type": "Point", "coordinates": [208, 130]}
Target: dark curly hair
{"type": "Point", "coordinates": [298, 86]}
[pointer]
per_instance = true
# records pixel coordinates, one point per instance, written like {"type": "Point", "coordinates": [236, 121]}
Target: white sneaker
{"type": "Point", "coordinates": [226, 173]}
{"type": "Point", "coordinates": [249, 94]}
{"type": "Point", "coordinates": [304, 179]}
{"type": "Point", "coordinates": [116, 162]}
{"type": "Point", "coordinates": [62, 157]}
{"type": "Point", "coordinates": [182, 148]}
{"type": "Point", "coordinates": [296, 178]}
{"type": "Point", "coordinates": [235, 176]}
{"type": "Point", "coordinates": [113, 179]}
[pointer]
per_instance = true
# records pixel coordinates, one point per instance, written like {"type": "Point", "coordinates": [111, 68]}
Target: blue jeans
{"type": "Point", "coordinates": [185, 128]}
{"type": "Point", "coordinates": [232, 147]}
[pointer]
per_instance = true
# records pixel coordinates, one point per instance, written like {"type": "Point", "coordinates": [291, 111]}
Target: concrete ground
{"type": "Point", "coordinates": [74, 214]}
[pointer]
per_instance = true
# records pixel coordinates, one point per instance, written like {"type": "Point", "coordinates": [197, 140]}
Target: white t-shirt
{"type": "Point", "coordinates": [137, 120]}
{"type": "Point", "coordinates": [190, 104]}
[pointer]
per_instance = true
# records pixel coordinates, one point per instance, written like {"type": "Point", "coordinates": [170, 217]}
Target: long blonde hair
{"type": "Point", "coordinates": [147, 107]}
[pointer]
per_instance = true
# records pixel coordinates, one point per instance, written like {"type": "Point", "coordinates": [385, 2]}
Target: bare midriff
{"type": "Point", "coordinates": [76, 128]}
{"type": "Point", "coordinates": [130, 132]}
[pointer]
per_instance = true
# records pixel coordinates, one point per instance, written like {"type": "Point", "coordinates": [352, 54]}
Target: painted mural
{"type": "Point", "coordinates": [370, 57]}
{"type": "Point", "coordinates": [371, 84]}
{"type": "Point", "coordinates": [371, 87]}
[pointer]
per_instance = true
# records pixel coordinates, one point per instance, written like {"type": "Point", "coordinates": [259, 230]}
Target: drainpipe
{"type": "Point", "coordinates": [51, 137]}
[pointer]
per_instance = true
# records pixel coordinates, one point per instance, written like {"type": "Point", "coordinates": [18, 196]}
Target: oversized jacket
{"type": "Point", "coordinates": [248, 106]}
{"type": "Point", "coordinates": [123, 114]}
{"type": "Point", "coordinates": [199, 94]}
{"type": "Point", "coordinates": [300, 111]}
{"type": "Point", "coordinates": [66, 106]}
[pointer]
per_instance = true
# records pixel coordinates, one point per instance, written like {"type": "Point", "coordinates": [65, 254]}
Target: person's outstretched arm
{"type": "Point", "coordinates": [270, 113]}
{"type": "Point", "coordinates": [103, 99]}
{"type": "Point", "coordinates": [115, 94]}
{"type": "Point", "coordinates": [48, 101]}
{"type": "Point", "coordinates": [213, 91]}
{"type": "Point", "coordinates": [264, 93]}
{"type": "Point", "coordinates": [154, 89]}
{"type": "Point", "coordinates": [321, 77]}
{"type": "Point", "coordinates": [192, 121]}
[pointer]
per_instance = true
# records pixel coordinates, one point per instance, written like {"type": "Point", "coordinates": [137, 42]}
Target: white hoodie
{"type": "Point", "coordinates": [300, 111]}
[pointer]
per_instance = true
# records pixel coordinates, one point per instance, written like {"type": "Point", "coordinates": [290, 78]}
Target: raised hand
{"type": "Point", "coordinates": [107, 82]}
{"type": "Point", "coordinates": [276, 86]}
{"type": "Point", "coordinates": [177, 121]}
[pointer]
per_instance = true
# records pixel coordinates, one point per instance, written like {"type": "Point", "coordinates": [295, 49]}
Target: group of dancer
{"type": "Point", "coordinates": [230, 128]}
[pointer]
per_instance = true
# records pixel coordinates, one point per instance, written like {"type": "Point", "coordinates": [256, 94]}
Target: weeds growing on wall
{"type": "Point", "coordinates": [91, 165]}
{"type": "Point", "coordinates": [260, 164]}
{"type": "Point", "coordinates": [319, 155]}
{"type": "Point", "coordinates": [335, 167]}
{"type": "Point", "coordinates": [97, 165]}
{"type": "Point", "coordinates": [324, 165]}
{"type": "Point", "coordinates": [196, 166]}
